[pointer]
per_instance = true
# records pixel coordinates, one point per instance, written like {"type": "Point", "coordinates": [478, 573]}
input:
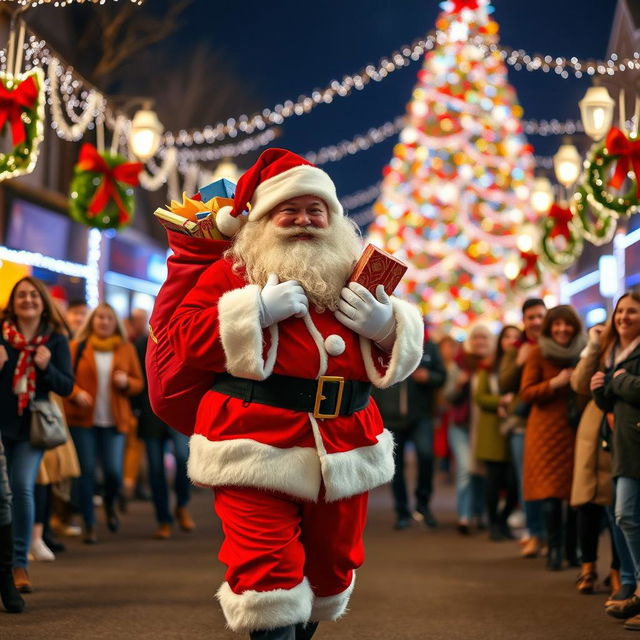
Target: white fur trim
{"type": "Point", "coordinates": [227, 224]}
{"type": "Point", "coordinates": [253, 610]}
{"type": "Point", "coordinates": [407, 348]}
{"type": "Point", "coordinates": [332, 607]}
{"type": "Point", "coordinates": [303, 180]}
{"type": "Point", "coordinates": [349, 473]}
{"type": "Point", "coordinates": [248, 463]}
{"type": "Point", "coordinates": [319, 340]}
{"type": "Point", "coordinates": [241, 334]}
{"type": "Point", "coordinates": [334, 345]}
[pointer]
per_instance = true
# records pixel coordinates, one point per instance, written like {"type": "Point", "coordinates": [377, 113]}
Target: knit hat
{"type": "Point", "coordinates": [277, 175]}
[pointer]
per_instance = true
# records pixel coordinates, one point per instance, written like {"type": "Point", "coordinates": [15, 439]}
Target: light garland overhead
{"type": "Point", "coordinates": [360, 198]}
{"type": "Point", "coordinates": [64, 3]}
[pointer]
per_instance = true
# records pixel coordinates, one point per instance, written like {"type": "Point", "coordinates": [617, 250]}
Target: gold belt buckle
{"type": "Point", "coordinates": [320, 397]}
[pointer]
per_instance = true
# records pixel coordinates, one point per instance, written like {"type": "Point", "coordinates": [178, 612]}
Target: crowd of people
{"type": "Point", "coordinates": [540, 421]}
{"type": "Point", "coordinates": [546, 419]}
{"type": "Point", "coordinates": [90, 366]}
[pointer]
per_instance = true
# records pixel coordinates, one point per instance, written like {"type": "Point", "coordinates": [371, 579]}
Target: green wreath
{"type": "Point", "coordinates": [598, 229]}
{"type": "Point", "coordinates": [598, 165]}
{"type": "Point", "coordinates": [560, 258]}
{"type": "Point", "coordinates": [16, 91]}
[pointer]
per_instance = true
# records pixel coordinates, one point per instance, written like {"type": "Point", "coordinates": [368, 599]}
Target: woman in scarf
{"type": "Point", "coordinates": [617, 392]}
{"type": "Point", "coordinates": [550, 435]}
{"type": "Point", "coordinates": [99, 411]}
{"type": "Point", "coordinates": [34, 360]}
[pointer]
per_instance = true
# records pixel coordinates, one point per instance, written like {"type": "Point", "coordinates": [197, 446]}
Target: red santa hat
{"type": "Point", "coordinates": [277, 175]}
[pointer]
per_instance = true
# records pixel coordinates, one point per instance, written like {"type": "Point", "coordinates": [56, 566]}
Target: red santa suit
{"type": "Point", "coordinates": [290, 488]}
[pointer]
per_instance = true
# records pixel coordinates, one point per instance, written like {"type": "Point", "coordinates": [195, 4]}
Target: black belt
{"type": "Point", "coordinates": [326, 397]}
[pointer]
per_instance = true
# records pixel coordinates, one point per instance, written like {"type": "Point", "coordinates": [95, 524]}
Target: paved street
{"type": "Point", "coordinates": [415, 584]}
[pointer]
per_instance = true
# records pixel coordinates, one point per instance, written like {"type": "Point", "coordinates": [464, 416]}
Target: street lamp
{"type": "Point", "coordinates": [542, 195]}
{"type": "Point", "coordinates": [567, 164]}
{"type": "Point", "coordinates": [146, 130]}
{"type": "Point", "coordinates": [596, 111]}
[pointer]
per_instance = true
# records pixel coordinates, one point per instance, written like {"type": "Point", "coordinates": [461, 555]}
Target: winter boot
{"type": "Point", "coordinates": [281, 633]}
{"type": "Point", "coordinates": [305, 631]}
{"type": "Point", "coordinates": [11, 598]}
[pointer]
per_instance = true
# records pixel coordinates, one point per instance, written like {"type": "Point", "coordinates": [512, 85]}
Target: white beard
{"type": "Point", "coordinates": [320, 264]}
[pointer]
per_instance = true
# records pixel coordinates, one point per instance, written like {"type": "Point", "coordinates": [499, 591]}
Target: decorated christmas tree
{"type": "Point", "coordinates": [455, 196]}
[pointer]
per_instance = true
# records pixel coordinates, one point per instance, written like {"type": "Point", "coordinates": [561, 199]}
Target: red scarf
{"type": "Point", "coordinates": [24, 376]}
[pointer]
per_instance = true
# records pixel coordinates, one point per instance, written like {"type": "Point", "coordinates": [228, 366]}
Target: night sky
{"type": "Point", "coordinates": [283, 49]}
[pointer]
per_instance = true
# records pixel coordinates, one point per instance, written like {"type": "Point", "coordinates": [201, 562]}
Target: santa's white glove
{"type": "Point", "coordinates": [368, 316]}
{"type": "Point", "coordinates": [281, 301]}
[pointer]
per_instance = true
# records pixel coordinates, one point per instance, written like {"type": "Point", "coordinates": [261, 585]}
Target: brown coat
{"type": "Point", "coordinates": [124, 359]}
{"type": "Point", "coordinates": [549, 439]}
{"type": "Point", "coordinates": [592, 464]}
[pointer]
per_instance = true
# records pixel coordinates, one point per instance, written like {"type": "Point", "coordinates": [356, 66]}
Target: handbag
{"type": "Point", "coordinates": [47, 429]}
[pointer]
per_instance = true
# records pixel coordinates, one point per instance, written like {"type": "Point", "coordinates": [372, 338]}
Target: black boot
{"type": "Point", "coordinates": [113, 522]}
{"type": "Point", "coordinates": [305, 631]}
{"type": "Point", "coordinates": [11, 598]}
{"type": "Point", "coordinates": [281, 633]}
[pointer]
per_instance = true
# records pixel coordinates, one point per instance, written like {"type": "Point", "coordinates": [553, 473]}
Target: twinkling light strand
{"type": "Point", "coordinates": [360, 198]}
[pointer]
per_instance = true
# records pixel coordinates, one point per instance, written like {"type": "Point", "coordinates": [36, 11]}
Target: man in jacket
{"type": "Point", "coordinates": [288, 435]}
{"type": "Point", "coordinates": [516, 412]}
{"type": "Point", "coordinates": [407, 410]}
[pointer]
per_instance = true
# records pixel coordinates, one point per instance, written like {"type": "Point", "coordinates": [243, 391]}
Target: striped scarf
{"type": "Point", "coordinates": [24, 376]}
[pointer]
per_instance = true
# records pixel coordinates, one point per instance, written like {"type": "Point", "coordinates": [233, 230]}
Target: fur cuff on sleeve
{"type": "Point", "coordinates": [407, 349]}
{"type": "Point", "coordinates": [241, 334]}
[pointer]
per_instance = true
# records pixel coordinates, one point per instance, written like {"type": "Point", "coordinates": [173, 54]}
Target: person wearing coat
{"type": "Point", "coordinates": [515, 422]}
{"type": "Point", "coordinates": [99, 411]}
{"type": "Point", "coordinates": [617, 390]}
{"type": "Point", "coordinates": [408, 412]}
{"type": "Point", "coordinates": [288, 435]}
{"type": "Point", "coordinates": [34, 361]}
{"type": "Point", "coordinates": [550, 435]}
{"type": "Point", "coordinates": [591, 488]}
{"type": "Point", "coordinates": [492, 446]}
{"type": "Point", "coordinates": [156, 435]}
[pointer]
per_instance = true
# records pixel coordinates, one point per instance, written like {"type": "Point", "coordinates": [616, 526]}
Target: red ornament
{"type": "Point", "coordinates": [91, 160]}
{"type": "Point", "coordinates": [13, 102]}
{"type": "Point", "coordinates": [459, 5]}
{"type": "Point", "coordinates": [618, 144]}
{"type": "Point", "coordinates": [561, 217]}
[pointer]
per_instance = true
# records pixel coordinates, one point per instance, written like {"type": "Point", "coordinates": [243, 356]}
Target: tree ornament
{"type": "Point", "coordinates": [101, 193]}
{"type": "Point", "coordinates": [561, 241]}
{"type": "Point", "coordinates": [22, 98]}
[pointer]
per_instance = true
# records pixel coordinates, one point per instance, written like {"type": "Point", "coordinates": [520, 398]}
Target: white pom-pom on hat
{"type": "Point", "coordinates": [334, 345]}
{"type": "Point", "coordinates": [227, 224]}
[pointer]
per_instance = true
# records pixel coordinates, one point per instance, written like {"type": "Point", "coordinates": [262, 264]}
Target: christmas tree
{"type": "Point", "coordinates": [455, 196]}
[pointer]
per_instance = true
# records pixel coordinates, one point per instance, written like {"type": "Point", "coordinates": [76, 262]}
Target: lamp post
{"type": "Point", "coordinates": [146, 130]}
{"type": "Point", "coordinates": [567, 164]}
{"type": "Point", "coordinates": [542, 195]}
{"type": "Point", "coordinates": [596, 112]}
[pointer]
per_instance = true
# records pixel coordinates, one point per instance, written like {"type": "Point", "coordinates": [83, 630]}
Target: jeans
{"type": "Point", "coordinates": [156, 448]}
{"type": "Point", "coordinates": [93, 443]}
{"type": "Point", "coordinates": [627, 510]}
{"type": "Point", "coordinates": [627, 573]}
{"type": "Point", "coordinates": [420, 432]}
{"type": "Point", "coordinates": [532, 508]}
{"type": "Point", "coordinates": [23, 462]}
{"type": "Point", "coordinates": [5, 490]}
{"type": "Point", "coordinates": [469, 486]}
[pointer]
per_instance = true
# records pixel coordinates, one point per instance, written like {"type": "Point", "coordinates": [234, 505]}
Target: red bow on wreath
{"type": "Point", "coordinates": [561, 217]}
{"type": "Point", "coordinates": [629, 151]}
{"type": "Point", "coordinates": [13, 102]}
{"type": "Point", "coordinates": [530, 266]}
{"type": "Point", "coordinates": [127, 172]}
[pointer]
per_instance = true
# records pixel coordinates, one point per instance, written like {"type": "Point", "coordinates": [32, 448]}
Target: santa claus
{"type": "Point", "coordinates": [288, 434]}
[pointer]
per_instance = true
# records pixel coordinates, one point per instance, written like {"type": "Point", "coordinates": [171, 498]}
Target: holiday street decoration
{"type": "Point", "coordinates": [562, 240]}
{"type": "Point", "coordinates": [456, 192]}
{"type": "Point", "coordinates": [529, 275]}
{"type": "Point", "coordinates": [22, 99]}
{"type": "Point", "coordinates": [101, 192]}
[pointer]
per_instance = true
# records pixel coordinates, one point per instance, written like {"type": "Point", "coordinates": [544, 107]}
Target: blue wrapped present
{"type": "Point", "coordinates": [222, 188]}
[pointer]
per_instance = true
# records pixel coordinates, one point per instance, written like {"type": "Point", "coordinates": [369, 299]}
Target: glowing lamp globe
{"type": "Point", "coordinates": [146, 130]}
{"type": "Point", "coordinates": [542, 195]}
{"type": "Point", "coordinates": [567, 164]}
{"type": "Point", "coordinates": [596, 111]}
